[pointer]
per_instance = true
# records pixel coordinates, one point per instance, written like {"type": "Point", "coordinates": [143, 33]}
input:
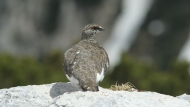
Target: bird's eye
{"type": "Point", "coordinates": [95, 27]}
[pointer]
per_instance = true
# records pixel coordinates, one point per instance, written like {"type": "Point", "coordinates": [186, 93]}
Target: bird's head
{"type": "Point", "coordinates": [91, 30]}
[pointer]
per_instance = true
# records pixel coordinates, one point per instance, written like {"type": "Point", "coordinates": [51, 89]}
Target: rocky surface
{"type": "Point", "coordinates": [185, 97]}
{"type": "Point", "coordinates": [65, 95]}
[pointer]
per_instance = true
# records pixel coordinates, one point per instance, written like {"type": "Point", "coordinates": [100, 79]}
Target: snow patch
{"type": "Point", "coordinates": [125, 28]}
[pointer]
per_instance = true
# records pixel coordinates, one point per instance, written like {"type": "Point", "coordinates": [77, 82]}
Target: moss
{"type": "Point", "coordinates": [123, 87]}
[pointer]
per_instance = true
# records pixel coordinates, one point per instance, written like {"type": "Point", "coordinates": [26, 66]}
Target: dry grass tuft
{"type": "Point", "coordinates": [123, 87]}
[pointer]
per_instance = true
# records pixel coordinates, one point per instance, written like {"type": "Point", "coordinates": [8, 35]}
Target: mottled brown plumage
{"type": "Point", "coordinates": [85, 64]}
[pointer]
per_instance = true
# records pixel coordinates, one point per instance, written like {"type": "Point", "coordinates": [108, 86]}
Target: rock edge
{"type": "Point", "coordinates": [65, 95]}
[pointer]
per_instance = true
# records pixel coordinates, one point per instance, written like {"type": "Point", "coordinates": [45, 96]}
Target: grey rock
{"type": "Point", "coordinates": [65, 95]}
{"type": "Point", "coordinates": [185, 97]}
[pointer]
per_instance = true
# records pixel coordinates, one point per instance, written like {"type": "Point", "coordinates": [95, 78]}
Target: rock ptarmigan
{"type": "Point", "coordinates": [85, 64]}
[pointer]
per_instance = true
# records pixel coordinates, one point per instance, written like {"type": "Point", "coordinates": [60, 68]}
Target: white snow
{"type": "Point", "coordinates": [65, 95]}
{"type": "Point", "coordinates": [127, 25]}
{"type": "Point", "coordinates": [185, 52]}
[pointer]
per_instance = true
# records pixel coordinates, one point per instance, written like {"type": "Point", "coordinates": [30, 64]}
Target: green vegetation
{"type": "Point", "coordinates": [145, 77]}
{"type": "Point", "coordinates": [29, 71]}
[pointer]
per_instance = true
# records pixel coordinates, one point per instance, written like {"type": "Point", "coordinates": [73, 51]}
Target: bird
{"type": "Point", "coordinates": [85, 64]}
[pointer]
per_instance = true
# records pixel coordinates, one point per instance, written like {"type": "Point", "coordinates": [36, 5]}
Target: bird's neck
{"type": "Point", "coordinates": [88, 38]}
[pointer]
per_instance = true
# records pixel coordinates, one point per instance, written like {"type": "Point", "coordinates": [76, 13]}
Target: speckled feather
{"type": "Point", "coordinates": [84, 60]}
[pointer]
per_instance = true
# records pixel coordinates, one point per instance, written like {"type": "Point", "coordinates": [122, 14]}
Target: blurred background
{"type": "Point", "coordinates": [148, 41]}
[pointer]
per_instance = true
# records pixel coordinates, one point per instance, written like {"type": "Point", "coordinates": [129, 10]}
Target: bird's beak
{"type": "Point", "coordinates": [101, 28]}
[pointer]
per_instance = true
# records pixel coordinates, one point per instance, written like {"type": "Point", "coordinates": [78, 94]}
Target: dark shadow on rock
{"type": "Point", "coordinates": [61, 88]}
